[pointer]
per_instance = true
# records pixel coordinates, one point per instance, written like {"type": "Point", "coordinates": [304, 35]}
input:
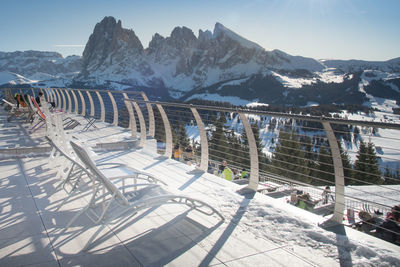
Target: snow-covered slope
{"type": "Point", "coordinates": [13, 78]}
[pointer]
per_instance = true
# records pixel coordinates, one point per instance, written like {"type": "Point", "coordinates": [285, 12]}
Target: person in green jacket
{"type": "Point", "coordinates": [304, 202]}
{"type": "Point", "coordinates": [244, 174]}
{"type": "Point", "coordinates": [225, 172]}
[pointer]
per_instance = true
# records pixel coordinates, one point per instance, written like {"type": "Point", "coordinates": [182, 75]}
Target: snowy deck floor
{"type": "Point", "coordinates": [257, 231]}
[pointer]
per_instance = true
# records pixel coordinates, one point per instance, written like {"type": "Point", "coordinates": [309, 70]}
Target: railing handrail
{"type": "Point", "coordinates": [385, 125]}
{"type": "Point", "coordinates": [139, 101]}
{"type": "Point", "coordinates": [81, 89]}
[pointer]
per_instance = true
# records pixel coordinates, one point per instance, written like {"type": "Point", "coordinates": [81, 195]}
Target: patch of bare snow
{"type": "Point", "coordinates": [292, 82]}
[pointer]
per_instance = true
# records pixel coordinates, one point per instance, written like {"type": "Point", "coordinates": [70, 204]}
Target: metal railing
{"type": "Point", "coordinates": [282, 153]}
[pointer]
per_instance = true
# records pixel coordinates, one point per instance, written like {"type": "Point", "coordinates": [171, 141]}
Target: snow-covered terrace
{"type": "Point", "coordinates": [258, 230]}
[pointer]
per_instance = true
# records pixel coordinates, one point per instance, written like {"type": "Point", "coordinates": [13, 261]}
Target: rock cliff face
{"type": "Point", "coordinates": [110, 45]}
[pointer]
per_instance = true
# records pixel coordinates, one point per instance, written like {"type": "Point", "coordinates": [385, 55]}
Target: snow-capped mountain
{"type": "Point", "coordinates": [181, 61]}
{"type": "Point", "coordinates": [218, 64]}
{"type": "Point", "coordinates": [38, 66]}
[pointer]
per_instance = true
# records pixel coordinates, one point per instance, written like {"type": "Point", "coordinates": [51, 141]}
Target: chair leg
{"type": "Point", "coordinates": [92, 238]}
{"type": "Point", "coordinates": [77, 215]}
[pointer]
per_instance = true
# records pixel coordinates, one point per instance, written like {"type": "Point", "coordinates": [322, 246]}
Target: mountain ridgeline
{"type": "Point", "coordinates": [211, 65]}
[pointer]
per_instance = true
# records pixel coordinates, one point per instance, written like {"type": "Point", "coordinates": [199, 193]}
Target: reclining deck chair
{"type": "Point", "coordinates": [31, 109]}
{"type": "Point", "coordinates": [41, 118]}
{"type": "Point", "coordinates": [15, 111]}
{"type": "Point", "coordinates": [71, 171]}
{"type": "Point", "coordinates": [69, 124]}
{"type": "Point", "coordinates": [111, 202]}
{"type": "Point", "coordinates": [90, 122]}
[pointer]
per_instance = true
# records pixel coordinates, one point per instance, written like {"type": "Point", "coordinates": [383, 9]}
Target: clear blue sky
{"type": "Point", "coordinates": [339, 29]}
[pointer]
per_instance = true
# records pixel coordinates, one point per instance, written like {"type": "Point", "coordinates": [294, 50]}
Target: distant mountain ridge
{"type": "Point", "coordinates": [30, 63]}
{"type": "Point", "coordinates": [181, 61]}
{"type": "Point", "coordinates": [185, 66]}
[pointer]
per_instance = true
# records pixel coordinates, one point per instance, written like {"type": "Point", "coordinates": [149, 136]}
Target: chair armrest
{"type": "Point", "coordinates": [139, 172]}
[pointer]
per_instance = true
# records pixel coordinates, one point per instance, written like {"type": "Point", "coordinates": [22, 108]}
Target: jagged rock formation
{"type": "Point", "coordinates": [109, 45]}
{"type": "Point", "coordinates": [181, 61]}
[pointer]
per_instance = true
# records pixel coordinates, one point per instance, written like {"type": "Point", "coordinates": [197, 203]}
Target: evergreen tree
{"type": "Point", "coordinates": [388, 176]}
{"type": "Point", "coordinates": [234, 150]}
{"type": "Point", "coordinates": [347, 166]}
{"type": "Point", "coordinates": [308, 148]}
{"type": "Point", "coordinates": [356, 134]}
{"type": "Point", "coordinates": [262, 158]}
{"type": "Point", "coordinates": [159, 134]}
{"type": "Point", "coordinates": [218, 141]}
{"type": "Point", "coordinates": [325, 167]}
{"type": "Point", "coordinates": [310, 155]}
{"type": "Point", "coordinates": [288, 160]}
{"type": "Point", "coordinates": [366, 165]}
{"type": "Point", "coordinates": [182, 138]}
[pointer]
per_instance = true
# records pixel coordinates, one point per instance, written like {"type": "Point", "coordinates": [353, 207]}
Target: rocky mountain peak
{"type": "Point", "coordinates": [182, 37]}
{"type": "Point", "coordinates": [221, 32]}
{"type": "Point", "coordinates": [219, 29]}
{"type": "Point", "coordinates": [156, 41]}
{"type": "Point", "coordinates": [108, 42]}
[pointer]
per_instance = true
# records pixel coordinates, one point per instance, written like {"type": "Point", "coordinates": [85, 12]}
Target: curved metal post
{"type": "Point", "coordinates": [132, 120]}
{"type": "Point", "coordinates": [102, 110]}
{"type": "Point", "coordinates": [115, 121]}
{"type": "Point", "coordinates": [83, 113]}
{"type": "Point", "coordinates": [48, 94]}
{"type": "Point", "coordinates": [339, 174]}
{"type": "Point", "coordinates": [142, 124]}
{"type": "Point", "coordinates": [91, 103]}
{"type": "Point", "coordinates": [168, 132]}
{"type": "Point", "coordinates": [203, 140]}
{"type": "Point", "coordinates": [53, 96]}
{"type": "Point", "coordinates": [152, 128]}
{"type": "Point", "coordinates": [253, 181]}
{"type": "Point", "coordinates": [58, 98]}
{"type": "Point", "coordinates": [64, 106]}
{"type": "Point", "coordinates": [69, 101]}
{"type": "Point", "coordinates": [43, 91]}
{"type": "Point", "coordinates": [75, 101]}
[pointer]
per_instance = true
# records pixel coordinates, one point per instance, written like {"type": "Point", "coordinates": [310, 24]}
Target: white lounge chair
{"type": "Point", "coordinates": [16, 111]}
{"type": "Point", "coordinates": [109, 202]}
{"type": "Point", "coordinates": [44, 115]}
{"type": "Point", "coordinates": [71, 171]}
{"type": "Point", "coordinates": [90, 120]}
